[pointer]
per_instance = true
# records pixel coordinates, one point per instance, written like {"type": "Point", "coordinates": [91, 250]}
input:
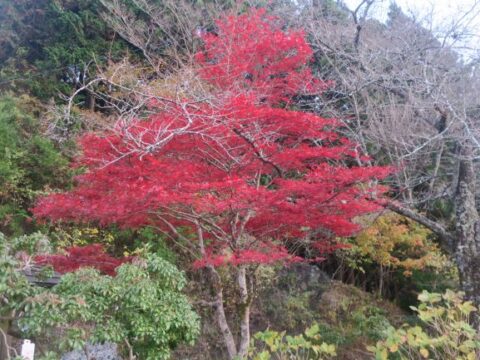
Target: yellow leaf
{"type": "Point", "coordinates": [393, 348]}
{"type": "Point", "coordinates": [471, 356]}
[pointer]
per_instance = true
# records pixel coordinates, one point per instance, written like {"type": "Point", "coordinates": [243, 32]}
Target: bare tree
{"type": "Point", "coordinates": [409, 96]}
{"type": "Point", "coordinates": [166, 32]}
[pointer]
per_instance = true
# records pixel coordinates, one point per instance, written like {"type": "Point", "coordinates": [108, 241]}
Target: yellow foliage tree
{"type": "Point", "coordinates": [394, 242]}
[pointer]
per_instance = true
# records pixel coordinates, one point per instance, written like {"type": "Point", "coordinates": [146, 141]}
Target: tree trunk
{"type": "Point", "coordinates": [220, 315]}
{"type": "Point", "coordinates": [216, 285]}
{"type": "Point", "coordinates": [244, 313]}
{"type": "Point", "coordinates": [380, 281]}
{"type": "Point", "coordinates": [467, 229]}
{"type": "Point", "coordinates": [464, 243]}
{"type": "Point", "coordinates": [90, 102]}
{"type": "Point", "coordinates": [224, 327]}
{"type": "Point", "coordinates": [4, 340]}
{"type": "Point", "coordinates": [243, 306]}
{"type": "Point", "coordinates": [131, 355]}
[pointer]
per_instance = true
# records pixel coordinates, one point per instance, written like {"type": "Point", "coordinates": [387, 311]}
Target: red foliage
{"type": "Point", "coordinates": [82, 256]}
{"type": "Point", "coordinates": [252, 175]}
{"type": "Point", "coordinates": [252, 52]}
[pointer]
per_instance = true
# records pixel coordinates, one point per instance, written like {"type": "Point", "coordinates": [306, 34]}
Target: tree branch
{"type": "Point", "coordinates": [445, 236]}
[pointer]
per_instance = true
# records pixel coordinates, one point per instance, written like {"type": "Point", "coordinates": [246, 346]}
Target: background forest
{"type": "Point", "coordinates": [238, 180]}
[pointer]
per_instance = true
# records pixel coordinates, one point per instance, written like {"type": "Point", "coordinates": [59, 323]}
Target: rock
{"type": "Point", "coordinates": [107, 351]}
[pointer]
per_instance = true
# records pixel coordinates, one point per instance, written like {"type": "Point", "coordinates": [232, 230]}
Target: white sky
{"type": "Point", "coordinates": [440, 9]}
{"type": "Point", "coordinates": [439, 16]}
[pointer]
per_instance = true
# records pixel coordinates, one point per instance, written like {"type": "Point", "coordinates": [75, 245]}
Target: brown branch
{"type": "Point", "coordinates": [359, 22]}
{"type": "Point", "coordinates": [258, 152]}
{"type": "Point", "coordinates": [446, 237]}
{"type": "Point", "coordinates": [8, 349]}
{"type": "Point", "coordinates": [131, 355]}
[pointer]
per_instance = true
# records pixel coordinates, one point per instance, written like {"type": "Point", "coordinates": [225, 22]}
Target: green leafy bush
{"type": "Point", "coordinates": [28, 162]}
{"type": "Point", "coordinates": [444, 331]}
{"type": "Point", "coordinates": [141, 308]}
{"type": "Point", "coordinates": [50, 44]}
{"type": "Point", "coordinates": [279, 346]}
{"type": "Point", "coordinates": [370, 321]}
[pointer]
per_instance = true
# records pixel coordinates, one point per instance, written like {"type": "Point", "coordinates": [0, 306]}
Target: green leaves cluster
{"type": "Point", "coordinates": [46, 45]}
{"type": "Point", "coordinates": [444, 332]}
{"type": "Point", "coordinates": [28, 162]}
{"type": "Point", "coordinates": [14, 286]}
{"type": "Point", "coordinates": [279, 346]}
{"type": "Point", "coordinates": [142, 307]}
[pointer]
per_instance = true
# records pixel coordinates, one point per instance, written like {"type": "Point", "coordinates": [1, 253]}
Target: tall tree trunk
{"type": "Point", "coordinates": [216, 285]}
{"type": "Point", "coordinates": [4, 340]}
{"type": "Point", "coordinates": [244, 313]}
{"type": "Point", "coordinates": [380, 281]}
{"type": "Point", "coordinates": [90, 101]}
{"type": "Point", "coordinates": [227, 335]}
{"type": "Point", "coordinates": [467, 239]}
{"type": "Point", "coordinates": [464, 243]}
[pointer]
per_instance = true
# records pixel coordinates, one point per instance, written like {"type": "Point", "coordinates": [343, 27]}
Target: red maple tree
{"type": "Point", "coordinates": [249, 177]}
{"type": "Point", "coordinates": [77, 257]}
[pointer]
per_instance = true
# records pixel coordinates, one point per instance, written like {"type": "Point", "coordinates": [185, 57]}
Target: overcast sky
{"type": "Point", "coordinates": [442, 10]}
{"type": "Point", "coordinates": [437, 15]}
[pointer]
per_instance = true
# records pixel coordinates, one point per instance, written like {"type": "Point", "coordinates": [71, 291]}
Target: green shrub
{"type": "Point", "coordinates": [28, 163]}
{"type": "Point", "coordinates": [142, 309]}
{"type": "Point", "coordinates": [444, 331]}
{"type": "Point", "coordinates": [371, 322]}
{"type": "Point", "coordinates": [279, 346]}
